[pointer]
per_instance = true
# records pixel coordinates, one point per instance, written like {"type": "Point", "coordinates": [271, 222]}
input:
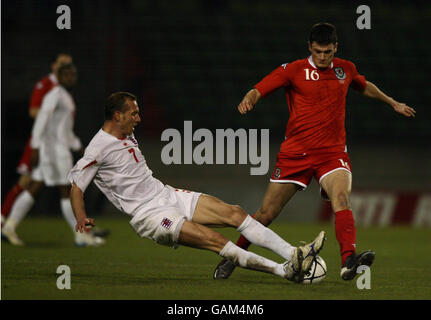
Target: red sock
{"type": "Point", "coordinates": [345, 232]}
{"type": "Point", "coordinates": [242, 242]}
{"type": "Point", "coordinates": [10, 199]}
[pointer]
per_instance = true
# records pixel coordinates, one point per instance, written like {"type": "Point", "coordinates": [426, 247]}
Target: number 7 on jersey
{"type": "Point", "coordinates": [131, 150]}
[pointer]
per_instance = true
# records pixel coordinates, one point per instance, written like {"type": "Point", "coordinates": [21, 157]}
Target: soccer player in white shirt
{"type": "Point", "coordinates": [52, 140]}
{"type": "Point", "coordinates": [42, 87]}
{"type": "Point", "coordinates": [167, 215]}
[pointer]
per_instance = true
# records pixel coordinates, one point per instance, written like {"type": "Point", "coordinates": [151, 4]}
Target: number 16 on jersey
{"type": "Point", "coordinates": [313, 75]}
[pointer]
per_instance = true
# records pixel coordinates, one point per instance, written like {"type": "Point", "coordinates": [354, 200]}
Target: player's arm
{"type": "Point", "coordinates": [249, 100]}
{"type": "Point", "coordinates": [77, 201]}
{"type": "Point", "coordinates": [278, 78]}
{"type": "Point", "coordinates": [47, 109]}
{"type": "Point", "coordinates": [39, 91]}
{"type": "Point", "coordinates": [80, 176]}
{"type": "Point", "coordinates": [74, 142]}
{"type": "Point", "coordinates": [372, 91]}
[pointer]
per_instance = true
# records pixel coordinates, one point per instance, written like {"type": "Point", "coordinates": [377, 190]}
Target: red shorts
{"type": "Point", "coordinates": [300, 169]}
{"type": "Point", "coordinates": [24, 167]}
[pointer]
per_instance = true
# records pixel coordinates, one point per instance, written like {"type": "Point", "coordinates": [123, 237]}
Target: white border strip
{"type": "Point", "coordinates": [289, 181]}
{"type": "Point", "coordinates": [336, 169]}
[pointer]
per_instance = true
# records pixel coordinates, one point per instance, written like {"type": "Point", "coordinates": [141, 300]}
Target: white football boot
{"type": "Point", "coordinates": [10, 235]}
{"type": "Point", "coordinates": [86, 239]}
{"type": "Point", "coordinates": [293, 268]}
{"type": "Point", "coordinates": [310, 250]}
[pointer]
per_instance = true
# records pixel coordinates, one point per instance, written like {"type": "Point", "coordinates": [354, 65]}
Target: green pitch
{"type": "Point", "coordinates": [128, 267]}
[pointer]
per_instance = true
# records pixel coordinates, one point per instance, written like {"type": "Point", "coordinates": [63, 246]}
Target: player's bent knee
{"type": "Point", "coordinates": [266, 215]}
{"type": "Point", "coordinates": [341, 201]}
{"type": "Point", "coordinates": [237, 215]}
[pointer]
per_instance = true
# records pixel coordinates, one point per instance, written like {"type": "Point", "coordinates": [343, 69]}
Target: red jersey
{"type": "Point", "coordinates": [41, 89]}
{"type": "Point", "coordinates": [316, 99]}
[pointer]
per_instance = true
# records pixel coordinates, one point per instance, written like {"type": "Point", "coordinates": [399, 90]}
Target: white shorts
{"type": "Point", "coordinates": [53, 173]}
{"type": "Point", "coordinates": [162, 218]}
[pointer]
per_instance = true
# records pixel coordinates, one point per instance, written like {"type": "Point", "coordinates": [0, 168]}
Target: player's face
{"type": "Point", "coordinates": [129, 117]}
{"type": "Point", "coordinates": [68, 78]}
{"type": "Point", "coordinates": [322, 55]}
{"type": "Point", "coordinates": [62, 60]}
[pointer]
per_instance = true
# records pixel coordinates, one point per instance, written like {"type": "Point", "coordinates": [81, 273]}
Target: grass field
{"type": "Point", "coordinates": [128, 267]}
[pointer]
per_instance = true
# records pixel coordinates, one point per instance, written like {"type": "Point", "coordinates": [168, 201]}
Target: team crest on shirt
{"type": "Point", "coordinates": [166, 223]}
{"type": "Point", "coordinates": [277, 173]}
{"type": "Point", "coordinates": [339, 73]}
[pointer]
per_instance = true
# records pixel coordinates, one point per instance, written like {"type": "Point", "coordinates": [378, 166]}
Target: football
{"type": "Point", "coordinates": [317, 271]}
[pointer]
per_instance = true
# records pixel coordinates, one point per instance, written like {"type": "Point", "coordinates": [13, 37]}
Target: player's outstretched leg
{"type": "Point", "coordinates": [212, 211]}
{"type": "Point", "coordinates": [348, 270]}
{"type": "Point", "coordinates": [199, 236]}
{"type": "Point", "coordinates": [225, 268]}
{"type": "Point", "coordinates": [276, 197]}
{"type": "Point", "coordinates": [337, 186]}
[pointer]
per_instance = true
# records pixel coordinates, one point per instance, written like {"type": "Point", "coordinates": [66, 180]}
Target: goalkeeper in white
{"type": "Point", "coordinates": [167, 215]}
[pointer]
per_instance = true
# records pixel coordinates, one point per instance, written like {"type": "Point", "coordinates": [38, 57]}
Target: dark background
{"type": "Point", "coordinates": [195, 60]}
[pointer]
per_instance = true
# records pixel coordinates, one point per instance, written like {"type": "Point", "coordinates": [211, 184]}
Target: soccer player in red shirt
{"type": "Point", "coordinates": [315, 139]}
{"type": "Point", "coordinates": [42, 87]}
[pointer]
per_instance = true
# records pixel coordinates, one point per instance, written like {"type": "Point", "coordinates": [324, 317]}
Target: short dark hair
{"type": "Point", "coordinates": [66, 67]}
{"type": "Point", "coordinates": [323, 33]}
{"type": "Point", "coordinates": [116, 103]}
{"type": "Point", "coordinates": [63, 53]}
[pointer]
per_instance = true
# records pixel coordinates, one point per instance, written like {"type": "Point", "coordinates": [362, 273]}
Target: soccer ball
{"type": "Point", "coordinates": [317, 271]}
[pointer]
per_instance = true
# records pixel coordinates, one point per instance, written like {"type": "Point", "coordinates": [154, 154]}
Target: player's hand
{"type": "Point", "coordinates": [84, 225]}
{"type": "Point", "coordinates": [245, 106]}
{"type": "Point", "coordinates": [404, 109]}
{"type": "Point", "coordinates": [34, 158]}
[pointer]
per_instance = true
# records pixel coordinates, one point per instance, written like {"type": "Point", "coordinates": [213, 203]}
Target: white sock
{"type": "Point", "coordinates": [66, 209]}
{"type": "Point", "coordinates": [20, 208]}
{"type": "Point", "coordinates": [250, 260]}
{"type": "Point", "coordinates": [258, 234]}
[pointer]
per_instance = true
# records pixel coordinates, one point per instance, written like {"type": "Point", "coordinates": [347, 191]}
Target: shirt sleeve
{"type": "Point", "coordinates": [84, 171]}
{"type": "Point", "coordinates": [46, 110]}
{"type": "Point", "coordinates": [280, 77]}
{"type": "Point", "coordinates": [39, 91]}
{"type": "Point", "coordinates": [358, 81]}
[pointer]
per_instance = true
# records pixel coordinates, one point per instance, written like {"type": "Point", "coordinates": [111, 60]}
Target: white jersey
{"type": "Point", "coordinates": [52, 131]}
{"type": "Point", "coordinates": [119, 170]}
